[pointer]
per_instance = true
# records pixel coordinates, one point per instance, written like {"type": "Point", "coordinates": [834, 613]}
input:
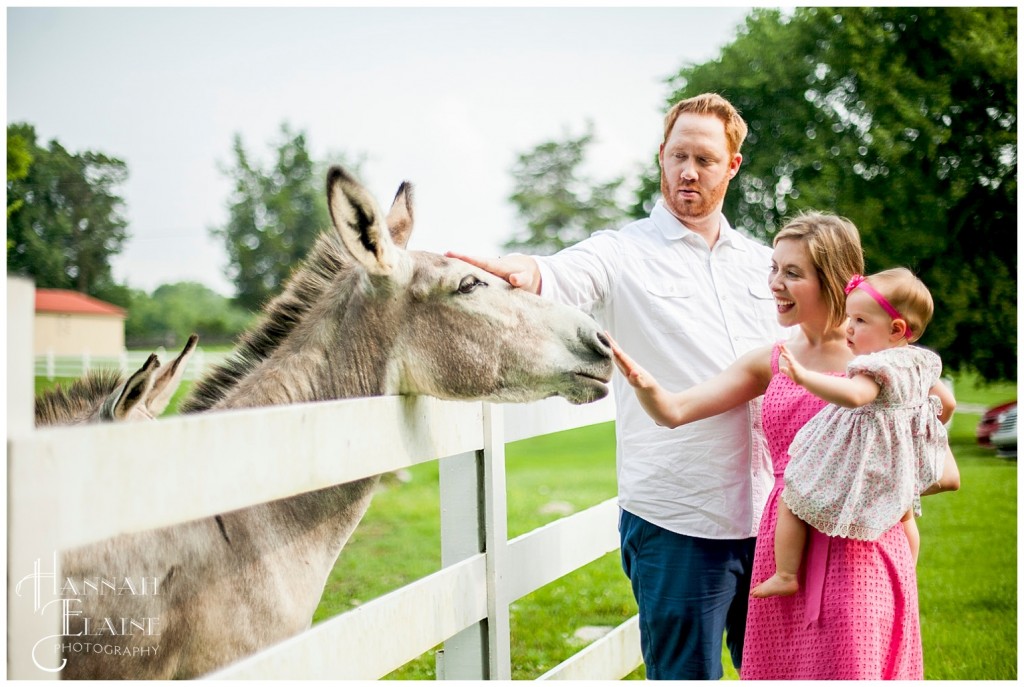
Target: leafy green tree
{"type": "Point", "coordinates": [114, 292]}
{"type": "Point", "coordinates": [174, 311]}
{"type": "Point", "coordinates": [19, 159]}
{"type": "Point", "coordinates": [903, 119]}
{"type": "Point", "coordinates": [64, 218]}
{"type": "Point", "coordinates": [275, 215]}
{"type": "Point", "coordinates": [558, 204]}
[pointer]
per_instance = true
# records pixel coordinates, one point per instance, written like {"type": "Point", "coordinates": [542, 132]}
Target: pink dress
{"type": "Point", "coordinates": [855, 616]}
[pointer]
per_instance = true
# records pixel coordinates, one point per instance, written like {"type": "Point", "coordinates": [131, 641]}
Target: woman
{"type": "Point", "coordinates": [856, 615]}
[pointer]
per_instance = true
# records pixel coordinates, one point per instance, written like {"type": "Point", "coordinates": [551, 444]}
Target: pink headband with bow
{"type": "Point", "coordinates": [858, 280]}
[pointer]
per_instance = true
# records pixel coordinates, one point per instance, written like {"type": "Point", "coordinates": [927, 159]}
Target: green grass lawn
{"type": "Point", "coordinates": [967, 574]}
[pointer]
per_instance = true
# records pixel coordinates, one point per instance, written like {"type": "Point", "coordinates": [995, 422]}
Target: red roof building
{"type": "Point", "coordinates": [64, 301]}
{"type": "Point", "coordinates": [72, 323]}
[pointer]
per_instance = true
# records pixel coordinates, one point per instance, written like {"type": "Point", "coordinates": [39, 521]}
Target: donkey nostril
{"type": "Point", "coordinates": [604, 340]}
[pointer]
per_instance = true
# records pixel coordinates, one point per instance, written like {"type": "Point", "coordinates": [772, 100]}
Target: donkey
{"type": "Point", "coordinates": [363, 317]}
{"type": "Point", "coordinates": [105, 396]}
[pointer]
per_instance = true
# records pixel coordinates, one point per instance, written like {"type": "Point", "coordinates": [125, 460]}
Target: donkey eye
{"type": "Point", "coordinates": [469, 283]}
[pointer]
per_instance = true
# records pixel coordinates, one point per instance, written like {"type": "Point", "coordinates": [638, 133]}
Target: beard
{"type": "Point", "coordinates": [709, 200]}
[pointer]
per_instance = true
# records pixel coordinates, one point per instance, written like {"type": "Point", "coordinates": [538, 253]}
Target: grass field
{"type": "Point", "coordinates": [967, 574]}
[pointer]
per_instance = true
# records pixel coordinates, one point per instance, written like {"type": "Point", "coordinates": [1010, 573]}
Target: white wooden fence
{"type": "Point", "coordinates": [74, 485]}
{"type": "Point", "coordinates": [50, 365]}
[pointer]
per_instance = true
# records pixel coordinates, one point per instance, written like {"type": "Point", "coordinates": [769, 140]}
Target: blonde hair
{"type": "Point", "coordinates": [908, 295]}
{"type": "Point", "coordinates": [716, 106]}
{"type": "Point", "coordinates": [834, 246]}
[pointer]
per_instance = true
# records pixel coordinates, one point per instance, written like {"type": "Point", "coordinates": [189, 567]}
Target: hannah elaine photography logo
{"type": "Point", "coordinates": [67, 599]}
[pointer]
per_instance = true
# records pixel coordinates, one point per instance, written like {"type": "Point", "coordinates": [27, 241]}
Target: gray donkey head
{"type": "Point", "coordinates": [366, 317]}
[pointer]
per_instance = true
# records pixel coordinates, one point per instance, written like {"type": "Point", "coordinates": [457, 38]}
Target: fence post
{"type": "Point", "coordinates": [20, 378]}
{"type": "Point", "coordinates": [32, 564]}
{"type": "Point", "coordinates": [469, 526]}
{"type": "Point", "coordinates": [499, 641]}
{"type": "Point", "coordinates": [464, 656]}
{"type": "Point", "coordinates": [196, 364]}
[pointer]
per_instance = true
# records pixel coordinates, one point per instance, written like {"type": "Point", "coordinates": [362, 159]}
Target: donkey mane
{"type": "Point", "coordinates": [310, 280]}
{"type": "Point", "coordinates": [63, 405]}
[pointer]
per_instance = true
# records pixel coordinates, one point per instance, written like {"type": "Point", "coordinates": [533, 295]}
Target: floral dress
{"type": "Point", "coordinates": [855, 616]}
{"type": "Point", "coordinates": [854, 472]}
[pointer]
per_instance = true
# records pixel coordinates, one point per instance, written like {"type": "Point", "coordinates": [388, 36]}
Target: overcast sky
{"type": "Point", "coordinates": [445, 98]}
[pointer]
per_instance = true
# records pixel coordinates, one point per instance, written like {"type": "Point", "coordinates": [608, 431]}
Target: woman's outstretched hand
{"type": "Point", "coordinates": [662, 406]}
{"type": "Point", "coordinates": [636, 376]}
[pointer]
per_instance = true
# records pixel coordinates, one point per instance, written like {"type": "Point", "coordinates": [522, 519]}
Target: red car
{"type": "Point", "coordinates": [990, 421]}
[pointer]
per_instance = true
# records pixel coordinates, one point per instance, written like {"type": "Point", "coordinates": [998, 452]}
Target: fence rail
{"type": "Point", "coordinates": [74, 485]}
{"type": "Point", "coordinates": [53, 366]}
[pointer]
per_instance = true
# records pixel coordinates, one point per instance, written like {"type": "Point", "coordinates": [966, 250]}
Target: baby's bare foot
{"type": "Point", "coordinates": [778, 584]}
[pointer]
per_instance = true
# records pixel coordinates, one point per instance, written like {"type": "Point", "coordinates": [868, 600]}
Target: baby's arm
{"type": "Point", "coordinates": [744, 380]}
{"type": "Point", "coordinates": [853, 392]}
{"type": "Point", "coordinates": [950, 480]}
{"type": "Point", "coordinates": [947, 399]}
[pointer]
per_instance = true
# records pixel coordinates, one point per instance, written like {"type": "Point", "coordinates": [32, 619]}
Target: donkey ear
{"type": "Point", "coordinates": [166, 381]}
{"type": "Point", "coordinates": [399, 219]}
{"type": "Point", "coordinates": [357, 220]}
{"type": "Point", "coordinates": [133, 394]}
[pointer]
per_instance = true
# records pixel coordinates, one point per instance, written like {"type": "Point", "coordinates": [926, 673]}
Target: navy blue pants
{"type": "Point", "coordinates": [690, 591]}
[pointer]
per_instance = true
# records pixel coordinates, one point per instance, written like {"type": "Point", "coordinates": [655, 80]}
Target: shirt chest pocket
{"type": "Point", "coordinates": [761, 304]}
{"type": "Point", "coordinates": [671, 302]}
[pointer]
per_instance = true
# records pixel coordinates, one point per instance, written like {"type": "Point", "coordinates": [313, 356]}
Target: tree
{"type": "Point", "coordinates": [64, 219]}
{"type": "Point", "coordinates": [903, 120]}
{"type": "Point", "coordinates": [558, 204]}
{"type": "Point", "coordinates": [275, 215]}
{"type": "Point", "coordinates": [19, 159]}
{"type": "Point", "coordinates": [174, 311]}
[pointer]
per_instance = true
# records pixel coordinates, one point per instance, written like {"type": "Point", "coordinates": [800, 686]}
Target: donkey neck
{"type": "Point", "coordinates": [322, 520]}
{"type": "Point", "coordinates": [345, 350]}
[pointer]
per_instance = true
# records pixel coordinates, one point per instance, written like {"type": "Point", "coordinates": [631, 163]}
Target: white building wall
{"type": "Point", "coordinates": [73, 334]}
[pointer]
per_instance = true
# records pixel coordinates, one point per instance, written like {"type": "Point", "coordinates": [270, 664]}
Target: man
{"type": "Point", "coordinates": [686, 295]}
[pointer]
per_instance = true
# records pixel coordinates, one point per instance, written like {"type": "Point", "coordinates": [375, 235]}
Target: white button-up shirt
{"type": "Point", "coordinates": [684, 313]}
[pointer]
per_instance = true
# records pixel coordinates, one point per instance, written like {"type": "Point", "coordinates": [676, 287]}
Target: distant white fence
{"type": "Point", "coordinates": [51, 366]}
{"type": "Point", "coordinates": [74, 485]}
